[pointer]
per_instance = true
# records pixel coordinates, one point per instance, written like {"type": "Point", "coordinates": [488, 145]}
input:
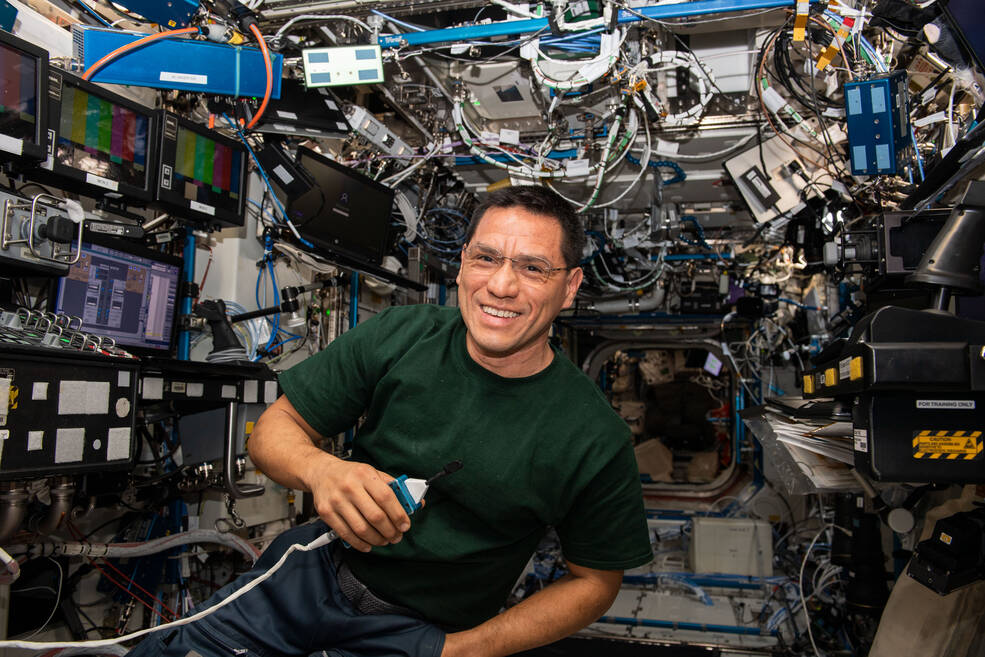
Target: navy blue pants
{"type": "Point", "coordinates": [298, 611]}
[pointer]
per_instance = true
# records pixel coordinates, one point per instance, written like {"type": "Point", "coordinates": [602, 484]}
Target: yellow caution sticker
{"type": "Point", "coordinates": [947, 445]}
{"type": "Point", "coordinates": [946, 538]}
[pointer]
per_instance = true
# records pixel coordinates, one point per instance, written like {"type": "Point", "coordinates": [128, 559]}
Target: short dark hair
{"type": "Point", "coordinates": [538, 200]}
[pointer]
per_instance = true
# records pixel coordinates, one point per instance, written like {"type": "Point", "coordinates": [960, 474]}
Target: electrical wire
{"type": "Point", "coordinates": [268, 67]}
{"type": "Point", "coordinates": [130, 47]}
{"type": "Point", "coordinates": [319, 542]}
{"type": "Point", "coordinates": [58, 599]}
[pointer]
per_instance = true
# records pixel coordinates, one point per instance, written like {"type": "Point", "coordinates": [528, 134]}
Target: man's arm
{"type": "Point", "coordinates": [353, 498]}
{"type": "Point", "coordinates": [564, 607]}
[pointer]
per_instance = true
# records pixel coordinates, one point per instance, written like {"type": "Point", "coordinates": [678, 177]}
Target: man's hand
{"type": "Point", "coordinates": [355, 500]}
{"type": "Point", "coordinates": [564, 607]}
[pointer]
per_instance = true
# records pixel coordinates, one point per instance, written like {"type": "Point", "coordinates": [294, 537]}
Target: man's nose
{"type": "Point", "coordinates": [504, 282]}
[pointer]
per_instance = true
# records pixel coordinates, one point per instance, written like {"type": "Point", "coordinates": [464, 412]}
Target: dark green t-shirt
{"type": "Point", "coordinates": [545, 450]}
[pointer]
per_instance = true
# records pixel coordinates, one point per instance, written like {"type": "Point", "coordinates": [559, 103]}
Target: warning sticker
{"type": "Point", "coordinates": [947, 445]}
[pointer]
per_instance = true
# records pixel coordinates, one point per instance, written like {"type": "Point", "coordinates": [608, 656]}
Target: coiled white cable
{"type": "Point", "coordinates": [321, 541]}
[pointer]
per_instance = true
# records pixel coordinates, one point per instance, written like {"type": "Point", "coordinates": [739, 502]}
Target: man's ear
{"type": "Point", "coordinates": [571, 285]}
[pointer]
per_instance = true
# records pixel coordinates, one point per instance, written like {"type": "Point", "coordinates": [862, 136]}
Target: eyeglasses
{"type": "Point", "coordinates": [529, 268]}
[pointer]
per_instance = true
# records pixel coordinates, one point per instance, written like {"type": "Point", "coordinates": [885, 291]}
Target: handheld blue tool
{"type": "Point", "coordinates": [410, 492]}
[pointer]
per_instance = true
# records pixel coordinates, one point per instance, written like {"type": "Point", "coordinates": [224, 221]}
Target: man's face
{"type": "Point", "coordinates": [508, 316]}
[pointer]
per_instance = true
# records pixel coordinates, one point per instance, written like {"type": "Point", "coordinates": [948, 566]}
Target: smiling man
{"type": "Point", "coordinates": [482, 384]}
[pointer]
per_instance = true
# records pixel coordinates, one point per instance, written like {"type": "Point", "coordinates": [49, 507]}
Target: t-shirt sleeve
{"type": "Point", "coordinates": [332, 388]}
{"type": "Point", "coordinates": [606, 526]}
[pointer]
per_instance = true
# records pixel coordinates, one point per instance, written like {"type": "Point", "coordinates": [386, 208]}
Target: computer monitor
{"type": "Point", "coordinates": [301, 112]}
{"type": "Point", "coordinates": [345, 212]}
{"type": "Point", "coordinates": [101, 141]}
{"type": "Point", "coordinates": [124, 291]}
{"type": "Point", "coordinates": [23, 110]}
{"type": "Point", "coordinates": [969, 21]}
{"type": "Point", "coordinates": [202, 175]}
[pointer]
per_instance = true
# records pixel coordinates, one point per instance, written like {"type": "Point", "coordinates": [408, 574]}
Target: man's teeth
{"type": "Point", "coordinates": [499, 313]}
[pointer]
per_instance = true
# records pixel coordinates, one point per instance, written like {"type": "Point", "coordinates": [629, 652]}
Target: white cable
{"type": "Point", "coordinates": [400, 176]}
{"type": "Point", "coordinates": [319, 17]}
{"type": "Point", "coordinates": [11, 565]}
{"type": "Point", "coordinates": [148, 547]}
{"type": "Point", "coordinates": [644, 163]}
{"type": "Point", "coordinates": [706, 81]}
{"type": "Point", "coordinates": [319, 542]}
{"type": "Point", "coordinates": [58, 598]}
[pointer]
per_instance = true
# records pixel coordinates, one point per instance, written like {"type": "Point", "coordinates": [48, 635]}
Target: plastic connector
{"type": "Point", "coordinates": [409, 492]}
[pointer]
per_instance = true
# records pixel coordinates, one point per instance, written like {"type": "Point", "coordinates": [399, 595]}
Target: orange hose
{"type": "Point", "coordinates": [270, 76]}
{"type": "Point", "coordinates": [105, 59]}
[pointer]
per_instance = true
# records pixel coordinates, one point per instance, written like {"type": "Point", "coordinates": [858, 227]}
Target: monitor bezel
{"type": "Point", "coordinates": [962, 37]}
{"type": "Point", "coordinates": [172, 200]}
{"type": "Point", "coordinates": [360, 255]}
{"type": "Point", "coordinates": [76, 180]}
{"type": "Point", "coordinates": [142, 251]}
{"type": "Point", "coordinates": [37, 151]}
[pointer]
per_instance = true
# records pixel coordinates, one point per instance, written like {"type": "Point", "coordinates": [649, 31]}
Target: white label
{"type": "Point", "coordinates": [39, 392]}
{"type": "Point", "coordinates": [861, 440]}
{"type": "Point", "coordinates": [35, 440]}
{"type": "Point", "coordinates": [491, 138]}
{"type": "Point", "coordinates": [947, 404]}
{"type": "Point", "coordinates": [202, 207]}
{"type": "Point", "coordinates": [228, 392]}
{"type": "Point", "coordinates": [196, 389]}
{"type": "Point", "coordinates": [577, 167]}
{"type": "Point", "coordinates": [187, 78]}
{"type": "Point", "coordinates": [153, 387]}
{"type": "Point", "coordinates": [668, 147]}
{"type": "Point", "coordinates": [178, 387]}
{"type": "Point", "coordinates": [507, 136]}
{"type": "Point", "coordinates": [105, 183]}
{"type": "Point", "coordinates": [11, 145]}
{"type": "Point", "coordinates": [270, 391]}
{"type": "Point", "coordinates": [123, 379]}
{"type": "Point", "coordinates": [330, 104]}
{"type": "Point", "coordinates": [118, 444]}
{"type": "Point", "coordinates": [937, 117]}
{"type": "Point", "coordinates": [69, 445]}
{"type": "Point", "coordinates": [282, 173]}
{"type": "Point", "coordinates": [844, 368]}
{"type": "Point", "coordinates": [287, 115]}
{"type": "Point", "coordinates": [251, 391]}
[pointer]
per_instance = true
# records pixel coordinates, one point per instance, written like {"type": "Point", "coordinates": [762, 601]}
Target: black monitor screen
{"type": "Point", "coordinates": [202, 173]}
{"type": "Point", "coordinates": [123, 292]}
{"type": "Point", "coordinates": [345, 211]}
{"type": "Point", "coordinates": [208, 171]}
{"type": "Point", "coordinates": [22, 130]}
{"type": "Point", "coordinates": [18, 93]}
{"type": "Point", "coordinates": [970, 21]}
{"type": "Point", "coordinates": [101, 137]}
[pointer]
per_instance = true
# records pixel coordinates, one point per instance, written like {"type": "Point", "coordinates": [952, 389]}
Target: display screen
{"type": "Point", "coordinates": [18, 94]}
{"type": "Point", "coordinates": [345, 211]}
{"type": "Point", "coordinates": [968, 18]}
{"type": "Point", "coordinates": [207, 171]}
{"type": "Point", "coordinates": [103, 138]}
{"type": "Point", "coordinates": [128, 297]}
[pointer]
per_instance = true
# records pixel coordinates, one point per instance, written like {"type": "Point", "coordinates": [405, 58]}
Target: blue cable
{"type": "Point", "coordinates": [796, 303]}
{"type": "Point", "coordinates": [679, 174]}
{"type": "Point", "coordinates": [916, 151]}
{"type": "Point", "coordinates": [266, 180]}
{"type": "Point", "coordinates": [94, 14]}
{"type": "Point", "coordinates": [398, 22]}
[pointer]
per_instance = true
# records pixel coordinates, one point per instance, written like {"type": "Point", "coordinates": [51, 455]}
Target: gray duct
{"type": "Point", "coordinates": [13, 508]}
{"type": "Point", "coordinates": [62, 495]}
{"type": "Point", "coordinates": [651, 301]}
